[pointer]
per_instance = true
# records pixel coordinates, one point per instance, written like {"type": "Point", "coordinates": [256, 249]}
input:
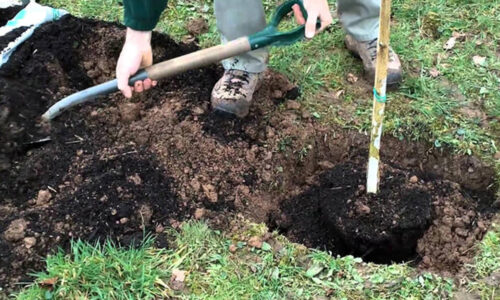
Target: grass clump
{"type": "Point", "coordinates": [484, 273]}
{"type": "Point", "coordinates": [488, 259]}
{"type": "Point", "coordinates": [101, 271]}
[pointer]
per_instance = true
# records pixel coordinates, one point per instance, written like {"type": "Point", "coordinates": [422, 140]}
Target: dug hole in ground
{"type": "Point", "coordinates": [118, 167]}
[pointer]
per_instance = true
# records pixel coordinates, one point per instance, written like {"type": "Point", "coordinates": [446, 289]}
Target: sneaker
{"type": "Point", "coordinates": [367, 51]}
{"type": "Point", "coordinates": [233, 93]}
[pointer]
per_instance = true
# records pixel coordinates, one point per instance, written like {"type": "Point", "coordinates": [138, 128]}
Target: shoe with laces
{"type": "Point", "coordinates": [367, 51]}
{"type": "Point", "coordinates": [233, 93]}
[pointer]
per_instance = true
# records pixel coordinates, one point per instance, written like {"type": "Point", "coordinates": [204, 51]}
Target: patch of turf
{"type": "Point", "coordinates": [278, 271]}
{"type": "Point", "coordinates": [484, 273]}
{"type": "Point", "coordinates": [101, 272]}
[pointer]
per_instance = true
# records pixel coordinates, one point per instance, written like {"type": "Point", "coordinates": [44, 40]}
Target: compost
{"type": "Point", "coordinates": [122, 169]}
{"type": "Point", "coordinates": [8, 13]}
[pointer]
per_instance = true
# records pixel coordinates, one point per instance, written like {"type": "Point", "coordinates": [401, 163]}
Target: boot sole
{"type": "Point", "coordinates": [223, 111]}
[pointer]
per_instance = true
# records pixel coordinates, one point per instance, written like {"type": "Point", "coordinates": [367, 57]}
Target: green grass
{"type": "Point", "coordinates": [278, 270]}
{"type": "Point", "coordinates": [485, 264]}
{"type": "Point", "coordinates": [488, 259]}
{"type": "Point", "coordinates": [445, 111]}
{"type": "Point", "coordinates": [213, 272]}
{"type": "Point", "coordinates": [102, 272]}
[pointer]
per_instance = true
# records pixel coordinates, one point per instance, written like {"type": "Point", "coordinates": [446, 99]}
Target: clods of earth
{"type": "Point", "coordinates": [117, 168]}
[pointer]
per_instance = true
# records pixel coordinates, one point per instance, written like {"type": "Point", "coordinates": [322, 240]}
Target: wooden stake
{"type": "Point", "coordinates": [379, 97]}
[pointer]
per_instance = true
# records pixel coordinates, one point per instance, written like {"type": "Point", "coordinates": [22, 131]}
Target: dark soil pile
{"type": "Point", "coordinates": [8, 13]}
{"type": "Point", "coordinates": [384, 225]}
{"type": "Point", "coordinates": [116, 196]}
{"type": "Point", "coordinates": [10, 37]}
{"type": "Point", "coordinates": [433, 222]}
{"type": "Point", "coordinates": [77, 184]}
{"type": "Point", "coordinates": [120, 168]}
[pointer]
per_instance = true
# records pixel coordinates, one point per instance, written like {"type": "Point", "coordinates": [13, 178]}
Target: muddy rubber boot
{"type": "Point", "coordinates": [367, 51]}
{"type": "Point", "coordinates": [233, 93]}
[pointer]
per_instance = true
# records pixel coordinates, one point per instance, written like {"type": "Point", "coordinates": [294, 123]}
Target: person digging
{"type": "Point", "coordinates": [233, 93]}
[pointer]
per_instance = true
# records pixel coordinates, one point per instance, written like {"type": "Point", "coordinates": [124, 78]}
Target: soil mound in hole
{"type": "Point", "coordinates": [433, 223]}
{"type": "Point", "coordinates": [382, 228]}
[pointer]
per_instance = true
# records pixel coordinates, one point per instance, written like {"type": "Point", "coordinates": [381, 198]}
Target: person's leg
{"type": "Point", "coordinates": [237, 18]}
{"type": "Point", "coordinates": [360, 19]}
{"type": "Point", "coordinates": [233, 93]}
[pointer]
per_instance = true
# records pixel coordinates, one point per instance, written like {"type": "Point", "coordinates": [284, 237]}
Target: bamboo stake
{"type": "Point", "coordinates": [379, 97]}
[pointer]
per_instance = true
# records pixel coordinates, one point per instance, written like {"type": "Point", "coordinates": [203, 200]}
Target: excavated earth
{"type": "Point", "coordinates": [8, 13]}
{"type": "Point", "coordinates": [120, 168]}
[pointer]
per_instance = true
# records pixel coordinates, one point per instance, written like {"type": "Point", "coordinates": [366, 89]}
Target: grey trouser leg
{"type": "Point", "coordinates": [237, 18]}
{"type": "Point", "coordinates": [360, 18]}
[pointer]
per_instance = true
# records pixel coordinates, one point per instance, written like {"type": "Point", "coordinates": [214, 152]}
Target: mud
{"type": "Point", "coordinates": [122, 168]}
{"type": "Point", "coordinates": [197, 26]}
{"type": "Point", "coordinates": [10, 37]}
{"type": "Point", "coordinates": [8, 13]}
{"type": "Point", "coordinates": [384, 225]}
{"type": "Point", "coordinates": [409, 220]}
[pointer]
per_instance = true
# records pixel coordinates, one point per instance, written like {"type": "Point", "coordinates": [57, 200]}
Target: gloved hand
{"type": "Point", "coordinates": [136, 53]}
{"type": "Point", "coordinates": [315, 9]}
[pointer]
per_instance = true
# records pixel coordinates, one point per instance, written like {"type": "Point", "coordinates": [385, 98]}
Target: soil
{"type": "Point", "coordinates": [384, 225]}
{"type": "Point", "coordinates": [432, 223]}
{"type": "Point", "coordinates": [8, 13]}
{"type": "Point", "coordinates": [121, 168]}
{"type": "Point", "coordinates": [197, 26]}
{"type": "Point", "coordinates": [10, 37]}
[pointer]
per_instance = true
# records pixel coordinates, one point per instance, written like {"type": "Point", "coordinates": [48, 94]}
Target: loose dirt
{"type": "Point", "coordinates": [197, 26]}
{"type": "Point", "coordinates": [8, 13]}
{"type": "Point", "coordinates": [122, 168]}
{"type": "Point", "coordinates": [10, 37]}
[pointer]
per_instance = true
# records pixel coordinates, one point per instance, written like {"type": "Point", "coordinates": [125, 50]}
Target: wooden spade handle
{"type": "Point", "coordinates": [198, 59]}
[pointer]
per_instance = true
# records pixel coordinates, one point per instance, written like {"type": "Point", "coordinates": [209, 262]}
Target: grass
{"type": "Point", "coordinates": [460, 108]}
{"type": "Point", "coordinates": [486, 263]}
{"type": "Point", "coordinates": [101, 271]}
{"type": "Point", "coordinates": [277, 270]}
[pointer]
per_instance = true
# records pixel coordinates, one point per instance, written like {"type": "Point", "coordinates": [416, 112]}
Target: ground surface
{"type": "Point", "coordinates": [8, 13]}
{"type": "Point", "coordinates": [448, 96]}
{"type": "Point", "coordinates": [121, 168]}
